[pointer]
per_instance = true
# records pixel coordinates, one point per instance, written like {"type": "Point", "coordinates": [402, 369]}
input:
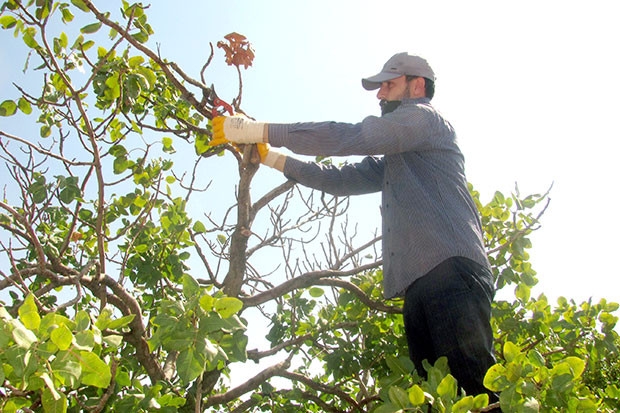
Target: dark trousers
{"type": "Point", "coordinates": [447, 313]}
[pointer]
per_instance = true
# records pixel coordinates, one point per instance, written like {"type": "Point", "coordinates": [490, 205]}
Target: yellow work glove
{"type": "Point", "coordinates": [237, 129]}
{"type": "Point", "coordinates": [270, 157]}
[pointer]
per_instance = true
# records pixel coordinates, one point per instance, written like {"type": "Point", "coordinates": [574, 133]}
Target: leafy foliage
{"type": "Point", "coordinates": [125, 287]}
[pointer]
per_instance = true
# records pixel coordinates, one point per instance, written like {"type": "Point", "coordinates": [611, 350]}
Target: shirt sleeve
{"type": "Point", "coordinates": [363, 177]}
{"type": "Point", "coordinates": [411, 127]}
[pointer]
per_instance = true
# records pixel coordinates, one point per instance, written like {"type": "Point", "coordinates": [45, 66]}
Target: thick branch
{"type": "Point", "coordinates": [239, 239]}
{"type": "Point", "coordinates": [254, 382]}
{"type": "Point", "coordinates": [137, 334]}
{"type": "Point", "coordinates": [303, 281]}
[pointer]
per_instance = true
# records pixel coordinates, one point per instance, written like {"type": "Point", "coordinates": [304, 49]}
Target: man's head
{"type": "Point", "coordinates": [403, 76]}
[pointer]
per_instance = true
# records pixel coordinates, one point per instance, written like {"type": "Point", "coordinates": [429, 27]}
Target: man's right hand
{"type": "Point", "coordinates": [237, 129]}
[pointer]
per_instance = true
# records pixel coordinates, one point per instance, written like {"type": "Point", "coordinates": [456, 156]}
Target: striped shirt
{"type": "Point", "coordinates": [411, 157]}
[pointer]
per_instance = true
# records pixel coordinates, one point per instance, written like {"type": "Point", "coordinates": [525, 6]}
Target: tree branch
{"type": "Point", "coordinates": [254, 382]}
{"type": "Point", "coordinates": [303, 281]}
{"type": "Point", "coordinates": [375, 305]}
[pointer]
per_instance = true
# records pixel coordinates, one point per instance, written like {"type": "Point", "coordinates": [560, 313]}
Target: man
{"type": "Point", "coordinates": [433, 252]}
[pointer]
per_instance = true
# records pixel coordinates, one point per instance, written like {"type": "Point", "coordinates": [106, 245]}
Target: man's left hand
{"type": "Point", "coordinates": [271, 158]}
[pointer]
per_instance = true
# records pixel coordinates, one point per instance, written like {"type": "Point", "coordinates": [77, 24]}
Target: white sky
{"type": "Point", "coordinates": [531, 87]}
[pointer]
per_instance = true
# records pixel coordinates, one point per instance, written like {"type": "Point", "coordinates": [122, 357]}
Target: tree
{"type": "Point", "coordinates": [127, 286]}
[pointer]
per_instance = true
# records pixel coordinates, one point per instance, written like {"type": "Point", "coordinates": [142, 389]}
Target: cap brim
{"type": "Point", "coordinates": [374, 82]}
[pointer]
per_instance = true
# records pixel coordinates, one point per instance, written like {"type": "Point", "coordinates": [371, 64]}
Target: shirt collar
{"type": "Point", "coordinates": [416, 100]}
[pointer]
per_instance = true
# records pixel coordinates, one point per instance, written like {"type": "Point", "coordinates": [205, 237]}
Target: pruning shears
{"type": "Point", "coordinates": [216, 103]}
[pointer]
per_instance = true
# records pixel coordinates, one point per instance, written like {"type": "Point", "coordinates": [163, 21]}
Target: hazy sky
{"type": "Point", "coordinates": [530, 86]}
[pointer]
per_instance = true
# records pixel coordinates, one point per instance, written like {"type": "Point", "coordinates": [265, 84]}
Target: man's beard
{"type": "Point", "coordinates": [388, 106]}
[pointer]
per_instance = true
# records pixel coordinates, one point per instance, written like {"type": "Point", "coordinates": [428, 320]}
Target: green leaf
{"type": "Point", "coordinates": [113, 340]}
{"type": "Point", "coordinates": [316, 292]}
{"type": "Point", "coordinates": [167, 143]}
{"type": "Point", "coordinates": [80, 5]}
{"type": "Point", "coordinates": [50, 386]}
{"type": "Point", "coordinates": [114, 89]}
{"type": "Point", "coordinates": [191, 288]}
{"type": "Point", "coordinates": [8, 108]}
{"type": "Point", "coordinates": [398, 396]}
{"type": "Point", "coordinates": [447, 387]}
{"type": "Point", "coordinates": [67, 16]}
{"type": "Point", "coordinates": [24, 106]}
{"type": "Point", "coordinates": [45, 131]}
{"type": "Point", "coordinates": [23, 337]}
{"type": "Point", "coordinates": [7, 21]}
{"type": "Point", "coordinates": [400, 366]}
{"type": "Point", "coordinates": [121, 322]}
{"type": "Point", "coordinates": [234, 345]}
{"type": "Point", "coordinates": [387, 408]}
{"type": "Point", "coordinates": [38, 188]}
{"type": "Point", "coordinates": [199, 228]}
{"type": "Point", "coordinates": [82, 320]}
{"type": "Point", "coordinates": [135, 61]}
{"type": "Point", "coordinates": [29, 313]}
{"type": "Point", "coordinates": [62, 337]}
{"type": "Point", "coordinates": [464, 405]}
{"type": "Point", "coordinates": [53, 402]}
{"type": "Point", "coordinates": [133, 88]}
{"type": "Point", "coordinates": [104, 319]}
{"type": "Point", "coordinates": [523, 292]}
{"type": "Point", "coordinates": [577, 365]}
{"type": "Point", "coordinates": [495, 378]}
{"type": "Point", "coordinates": [190, 364]}
{"type": "Point", "coordinates": [28, 37]}
{"type": "Point", "coordinates": [480, 401]}
{"type": "Point", "coordinates": [416, 395]}
{"type": "Point", "coordinates": [228, 306]}
{"type": "Point", "coordinates": [120, 165]}
{"type": "Point", "coordinates": [101, 52]}
{"type": "Point", "coordinates": [94, 371]}
{"type": "Point", "coordinates": [511, 351]}
{"type": "Point", "coordinates": [91, 28]}
{"type": "Point", "coordinates": [206, 302]}
{"type": "Point", "coordinates": [68, 195]}
{"type": "Point", "coordinates": [85, 340]}
{"type": "Point", "coordinates": [213, 322]}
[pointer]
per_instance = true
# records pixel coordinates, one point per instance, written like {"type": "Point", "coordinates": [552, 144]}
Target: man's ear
{"type": "Point", "coordinates": [417, 88]}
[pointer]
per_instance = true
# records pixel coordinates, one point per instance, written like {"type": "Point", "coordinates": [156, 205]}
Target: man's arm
{"type": "Point", "coordinates": [413, 126]}
{"type": "Point", "coordinates": [363, 177]}
{"type": "Point", "coordinates": [354, 179]}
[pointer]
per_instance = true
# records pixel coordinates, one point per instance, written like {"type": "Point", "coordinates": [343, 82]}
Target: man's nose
{"type": "Point", "coordinates": [382, 93]}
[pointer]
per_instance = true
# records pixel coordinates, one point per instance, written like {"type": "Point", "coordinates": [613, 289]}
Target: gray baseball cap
{"type": "Point", "coordinates": [398, 65]}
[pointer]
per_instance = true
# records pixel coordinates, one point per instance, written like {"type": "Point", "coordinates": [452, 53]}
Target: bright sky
{"type": "Point", "coordinates": [530, 86]}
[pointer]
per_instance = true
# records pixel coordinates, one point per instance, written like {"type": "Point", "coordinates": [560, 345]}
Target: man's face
{"type": "Point", "coordinates": [395, 89]}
